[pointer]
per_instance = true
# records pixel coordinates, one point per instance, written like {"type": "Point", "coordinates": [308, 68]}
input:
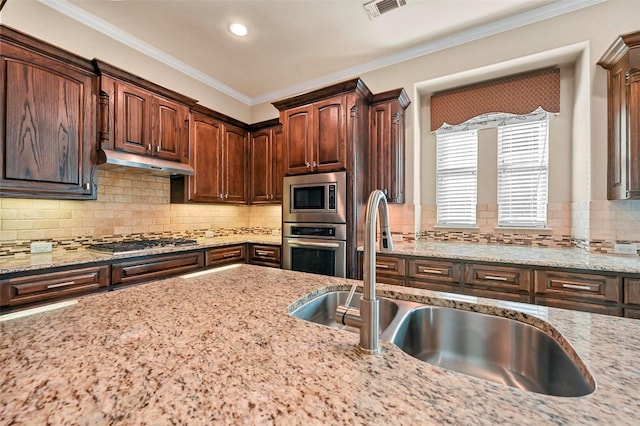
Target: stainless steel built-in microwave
{"type": "Point", "coordinates": [318, 197]}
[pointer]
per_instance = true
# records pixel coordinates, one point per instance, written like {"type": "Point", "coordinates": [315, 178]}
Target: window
{"type": "Point", "coordinates": [457, 178]}
{"type": "Point", "coordinates": [523, 174]}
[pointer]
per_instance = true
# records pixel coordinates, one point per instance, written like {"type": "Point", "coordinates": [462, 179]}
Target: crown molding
{"type": "Point", "coordinates": [116, 33]}
{"type": "Point", "coordinates": [549, 11]}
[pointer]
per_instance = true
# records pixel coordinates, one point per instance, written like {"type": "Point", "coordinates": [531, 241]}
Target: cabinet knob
{"type": "Point", "coordinates": [158, 148]}
{"type": "Point", "coordinates": [87, 186]}
{"type": "Point", "coordinates": [315, 165]}
{"type": "Point", "coordinates": [149, 147]}
{"type": "Point", "coordinates": [306, 163]}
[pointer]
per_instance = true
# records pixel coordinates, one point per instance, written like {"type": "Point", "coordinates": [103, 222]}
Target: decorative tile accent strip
{"type": "Point", "coordinates": [533, 240]}
{"type": "Point", "coordinates": [24, 247]}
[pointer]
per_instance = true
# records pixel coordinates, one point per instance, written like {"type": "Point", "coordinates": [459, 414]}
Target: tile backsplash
{"type": "Point", "coordinates": [127, 205]}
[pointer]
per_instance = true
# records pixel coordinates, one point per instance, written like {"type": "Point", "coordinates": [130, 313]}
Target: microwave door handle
{"type": "Point", "coordinates": [313, 244]}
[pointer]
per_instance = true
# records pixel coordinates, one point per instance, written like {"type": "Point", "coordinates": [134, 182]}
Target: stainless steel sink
{"type": "Point", "coordinates": [492, 348]}
{"type": "Point", "coordinates": [322, 309]}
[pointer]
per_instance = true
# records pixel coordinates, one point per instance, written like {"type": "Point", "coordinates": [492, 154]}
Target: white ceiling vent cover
{"type": "Point", "coordinates": [376, 8]}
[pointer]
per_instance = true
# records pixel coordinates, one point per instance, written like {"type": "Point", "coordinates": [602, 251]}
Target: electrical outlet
{"type": "Point", "coordinates": [625, 249]}
{"type": "Point", "coordinates": [208, 234]}
{"type": "Point", "coordinates": [397, 237]}
{"type": "Point", "coordinates": [43, 247]}
{"type": "Point", "coordinates": [275, 232]}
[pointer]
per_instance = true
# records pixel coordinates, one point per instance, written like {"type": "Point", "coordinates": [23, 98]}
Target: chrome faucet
{"type": "Point", "coordinates": [367, 317]}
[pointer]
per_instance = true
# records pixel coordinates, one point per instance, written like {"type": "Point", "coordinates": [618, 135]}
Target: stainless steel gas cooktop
{"type": "Point", "coordinates": [130, 246]}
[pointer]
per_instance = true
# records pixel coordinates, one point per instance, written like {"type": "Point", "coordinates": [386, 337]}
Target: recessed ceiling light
{"type": "Point", "coordinates": [238, 29]}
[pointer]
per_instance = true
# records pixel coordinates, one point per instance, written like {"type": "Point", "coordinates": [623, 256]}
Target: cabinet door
{"type": "Point", "coordinates": [330, 135]}
{"type": "Point", "coordinates": [48, 135]}
{"type": "Point", "coordinates": [261, 166]}
{"type": "Point", "coordinates": [277, 159]}
{"type": "Point", "coordinates": [170, 137]}
{"type": "Point", "coordinates": [206, 158]}
{"type": "Point", "coordinates": [132, 119]}
{"type": "Point", "coordinates": [234, 165]}
{"type": "Point", "coordinates": [633, 85]}
{"type": "Point", "coordinates": [264, 255]}
{"type": "Point", "coordinates": [298, 129]}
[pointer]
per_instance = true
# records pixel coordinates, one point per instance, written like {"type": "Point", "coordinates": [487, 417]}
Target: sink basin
{"type": "Point", "coordinates": [322, 309]}
{"type": "Point", "coordinates": [492, 348]}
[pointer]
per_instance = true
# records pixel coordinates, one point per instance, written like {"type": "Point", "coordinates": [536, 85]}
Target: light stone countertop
{"type": "Point", "coordinates": [221, 348]}
{"type": "Point", "coordinates": [536, 256]}
{"type": "Point", "coordinates": [61, 257]}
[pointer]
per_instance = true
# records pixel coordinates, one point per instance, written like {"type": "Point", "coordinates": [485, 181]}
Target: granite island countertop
{"type": "Point", "coordinates": [222, 348]}
{"type": "Point", "coordinates": [62, 257]}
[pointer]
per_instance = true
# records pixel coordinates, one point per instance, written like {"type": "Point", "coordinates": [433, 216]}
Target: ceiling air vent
{"type": "Point", "coordinates": [376, 8]}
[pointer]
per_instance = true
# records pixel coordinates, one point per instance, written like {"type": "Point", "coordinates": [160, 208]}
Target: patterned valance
{"type": "Point", "coordinates": [518, 94]}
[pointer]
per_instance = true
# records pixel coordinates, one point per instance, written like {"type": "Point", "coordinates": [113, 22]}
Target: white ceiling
{"type": "Point", "coordinates": [293, 46]}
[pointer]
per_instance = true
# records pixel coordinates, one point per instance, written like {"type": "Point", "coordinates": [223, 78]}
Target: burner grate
{"type": "Point", "coordinates": [140, 245]}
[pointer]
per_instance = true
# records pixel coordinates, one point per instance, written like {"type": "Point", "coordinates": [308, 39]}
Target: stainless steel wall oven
{"type": "Point", "coordinates": [314, 231]}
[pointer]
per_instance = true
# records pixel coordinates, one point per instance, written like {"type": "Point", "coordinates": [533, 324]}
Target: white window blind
{"type": "Point", "coordinates": [457, 178]}
{"type": "Point", "coordinates": [523, 174]}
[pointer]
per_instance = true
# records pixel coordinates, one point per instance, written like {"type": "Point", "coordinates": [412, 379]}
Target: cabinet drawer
{"type": "Point", "coordinates": [225, 255]}
{"type": "Point", "coordinates": [434, 286]}
{"type": "Point", "coordinates": [34, 288]}
{"type": "Point", "coordinates": [578, 306]}
{"type": "Point", "coordinates": [594, 287]}
{"type": "Point", "coordinates": [632, 291]}
{"type": "Point", "coordinates": [505, 278]}
{"type": "Point", "coordinates": [389, 266]}
{"type": "Point", "coordinates": [264, 255]}
{"type": "Point", "coordinates": [434, 270]}
{"type": "Point", "coordinates": [155, 267]}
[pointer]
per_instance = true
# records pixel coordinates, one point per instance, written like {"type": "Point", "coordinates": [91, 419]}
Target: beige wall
{"type": "Point", "coordinates": [42, 22]}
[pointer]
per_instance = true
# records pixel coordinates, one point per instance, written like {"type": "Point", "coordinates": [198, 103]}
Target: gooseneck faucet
{"type": "Point", "coordinates": [367, 317]}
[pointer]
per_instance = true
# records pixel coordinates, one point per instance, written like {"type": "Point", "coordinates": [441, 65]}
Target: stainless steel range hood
{"type": "Point", "coordinates": [132, 163]}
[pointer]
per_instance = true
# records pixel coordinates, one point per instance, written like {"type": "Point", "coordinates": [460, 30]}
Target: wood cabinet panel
{"type": "Point", "coordinates": [632, 291]}
{"type": "Point", "coordinates": [329, 151]}
{"type": "Point", "coordinates": [573, 285]}
{"type": "Point", "coordinates": [233, 167]}
{"type": "Point", "coordinates": [632, 313]}
{"type": "Point", "coordinates": [47, 119]}
{"type": "Point", "coordinates": [381, 279]}
{"type": "Point", "coordinates": [132, 119]}
{"type": "Point", "coordinates": [387, 149]}
{"type": "Point", "coordinates": [52, 285]}
{"type": "Point", "coordinates": [622, 62]}
{"type": "Point", "coordinates": [503, 278]}
{"type": "Point", "coordinates": [298, 127]}
{"type": "Point", "coordinates": [265, 255]}
{"type": "Point", "coordinates": [225, 255]}
{"type": "Point", "coordinates": [206, 153]}
{"type": "Point", "coordinates": [390, 266]}
{"type": "Point", "coordinates": [155, 267]}
{"type": "Point", "coordinates": [434, 270]}
{"type": "Point", "coordinates": [578, 306]}
{"type": "Point", "coordinates": [172, 135]}
{"type": "Point", "coordinates": [261, 166]}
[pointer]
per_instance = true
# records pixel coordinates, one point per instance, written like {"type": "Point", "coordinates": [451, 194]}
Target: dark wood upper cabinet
{"type": "Point", "coordinates": [386, 137]}
{"type": "Point", "coordinates": [47, 120]}
{"type": "Point", "coordinates": [266, 165]}
{"type": "Point", "coordinates": [140, 117]}
{"type": "Point", "coordinates": [218, 155]}
{"type": "Point", "coordinates": [622, 62]}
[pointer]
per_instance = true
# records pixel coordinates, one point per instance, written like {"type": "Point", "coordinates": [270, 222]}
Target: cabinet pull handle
{"type": "Point", "coordinates": [315, 165]}
{"type": "Point", "coordinates": [431, 271]}
{"type": "Point", "coordinates": [576, 286]}
{"type": "Point", "coordinates": [262, 253]}
{"type": "Point", "coordinates": [65, 284]}
{"type": "Point", "coordinates": [158, 148]}
{"type": "Point", "coordinates": [234, 254]}
{"type": "Point", "coordinates": [226, 196]}
{"type": "Point", "coordinates": [87, 186]}
{"type": "Point", "coordinates": [382, 266]}
{"type": "Point", "coordinates": [306, 163]}
{"type": "Point", "coordinates": [149, 147]}
{"type": "Point", "coordinates": [494, 278]}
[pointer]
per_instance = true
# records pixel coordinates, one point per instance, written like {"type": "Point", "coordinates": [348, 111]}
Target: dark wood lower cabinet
{"type": "Point", "coordinates": [607, 293]}
{"type": "Point", "coordinates": [53, 284]}
{"type": "Point", "coordinates": [265, 255]}
{"type": "Point", "coordinates": [155, 267]}
{"type": "Point", "coordinates": [226, 255]}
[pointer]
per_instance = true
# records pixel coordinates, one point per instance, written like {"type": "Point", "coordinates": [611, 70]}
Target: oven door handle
{"type": "Point", "coordinates": [313, 244]}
